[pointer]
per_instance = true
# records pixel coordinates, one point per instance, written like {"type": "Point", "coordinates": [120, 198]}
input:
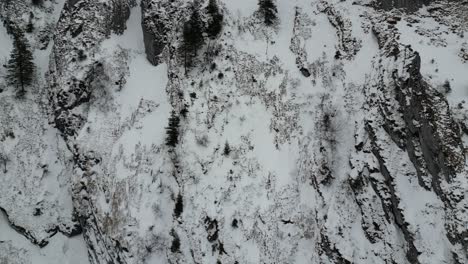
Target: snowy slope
{"type": "Point", "coordinates": [36, 205]}
{"type": "Point", "coordinates": [331, 138]}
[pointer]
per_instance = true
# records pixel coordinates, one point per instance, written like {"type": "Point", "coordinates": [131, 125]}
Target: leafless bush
{"type": "Point", "coordinates": [202, 140]}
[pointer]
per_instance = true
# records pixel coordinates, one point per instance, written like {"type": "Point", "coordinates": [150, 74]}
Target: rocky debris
{"type": "Point", "coordinates": [451, 14]}
{"type": "Point", "coordinates": [387, 36]}
{"type": "Point", "coordinates": [463, 54]}
{"type": "Point", "coordinates": [305, 72]}
{"type": "Point", "coordinates": [409, 5]}
{"type": "Point", "coordinates": [75, 79]}
{"type": "Point", "coordinates": [301, 33]}
{"type": "Point", "coordinates": [330, 250]}
{"type": "Point", "coordinates": [212, 229]}
{"type": "Point", "coordinates": [293, 187]}
{"type": "Point", "coordinates": [37, 21]}
{"type": "Point", "coordinates": [348, 45]}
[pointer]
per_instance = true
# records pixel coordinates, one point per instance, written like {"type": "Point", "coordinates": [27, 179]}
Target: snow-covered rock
{"type": "Point", "coordinates": [331, 137]}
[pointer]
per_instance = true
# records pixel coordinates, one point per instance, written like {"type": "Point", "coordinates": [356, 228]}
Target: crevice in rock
{"type": "Point", "coordinates": [51, 232]}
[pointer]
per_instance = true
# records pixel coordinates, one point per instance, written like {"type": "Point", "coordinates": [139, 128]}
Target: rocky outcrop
{"type": "Point", "coordinates": [120, 13]}
{"type": "Point", "coordinates": [348, 46]}
{"type": "Point", "coordinates": [410, 5]}
{"type": "Point", "coordinates": [418, 120]}
{"type": "Point", "coordinates": [74, 78]}
{"type": "Point", "coordinates": [160, 21]}
{"type": "Point", "coordinates": [430, 128]}
{"type": "Point", "coordinates": [331, 156]}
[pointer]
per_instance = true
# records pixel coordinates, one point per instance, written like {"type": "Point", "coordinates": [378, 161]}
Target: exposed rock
{"type": "Point", "coordinates": [305, 72]}
{"type": "Point", "coordinates": [344, 153]}
{"type": "Point", "coordinates": [419, 121]}
{"type": "Point", "coordinates": [347, 43]}
{"type": "Point", "coordinates": [410, 5]}
{"type": "Point", "coordinates": [159, 23]}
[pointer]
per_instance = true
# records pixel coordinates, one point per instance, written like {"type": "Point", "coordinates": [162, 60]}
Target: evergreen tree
{"type": "Point", "coordinates": [172, 130]}
{"type": "Point", "coordinates": [175, 246]}
{"type": "Point", "coordinates": [20, 66]}
{"type": "Point", "coordinates": [3, 159]}
{"type": "Point", "coordinates": [269, 11]}
{"type": "Point", "coordinates": [227, 149]}
{"type": "Point", "coordinates": [215, 24]}
{"type": "Point", "coordinates": [192, 36]}
{"type": "Point", "coordinates": [37, 2]}
{"type": "Point", "coordinates": [30, 26]}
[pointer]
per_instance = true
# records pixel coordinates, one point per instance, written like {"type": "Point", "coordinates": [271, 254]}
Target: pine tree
{"type": "Point", "coordinates": [20, 66]}
{"type": "Point", "coordinates": [172, 130]}
{"type": "Point", "coordinates": [30, 26]}
{"type": "Point", "coordinates": [227, 149]}
{"type": "Point", "coordinates": [192, 36]}
{"type": "Point", "coordinates": [175, 246]}
{"type": "Point", "coordinates": [37, 2]}
{"type": "Point", "coordinates": [215, 24]}
{"type": "Point", "coordinates": [269, 11]}
{"type": "Point", "coordinates": [3, 159]}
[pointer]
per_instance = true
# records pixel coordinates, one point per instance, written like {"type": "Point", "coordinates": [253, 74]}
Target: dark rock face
{"type": "Point", "coordinates": [418, 120]}
{"type": "Point", "coordinates": [155, 29]}
{"type": "Point", "coordinates": [68, 92]}
{"type": "Point", "coordinates": [394, 202]}
{"type": "Point", "coordinates": [120, 14]}
{"type": "Point", "coordinates": [305, 72]}
{"type": "Point", "coordinates": [410, 5]}
{"type": "Point", "coordinates": [330, 250]}
{"type": "Point", "coordinates": [345, 202]}
{"type": "Point", "coordinates": [433, 132]}
{"type": "Point", "coordinates": [160, 22]}
{"type": "Point", "coordinates": [430, 129]}
{"type": "Point", "coordinates": [72, 2]}
{"type": "Point", "coordinates": [70, 95]}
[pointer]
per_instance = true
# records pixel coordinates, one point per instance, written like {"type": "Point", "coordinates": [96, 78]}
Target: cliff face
{"type": "Point", "coordinates": [158, 21]}
{"type": "Point", "coordinates": [414, 120]}
{"type": "Point", "coordinates": [331, 138]}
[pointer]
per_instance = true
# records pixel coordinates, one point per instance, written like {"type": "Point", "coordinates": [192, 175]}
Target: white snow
{"type": "Point", "coordinates": [60, 250]}
{"type": "Point", "coordinates": [272, 117]}
{"type": "Point", "coordinates": [38, 170]}
{"type": "Point", "coordinates": [6, 44]}
{"type": "Point", "coordinates": [439, 63]}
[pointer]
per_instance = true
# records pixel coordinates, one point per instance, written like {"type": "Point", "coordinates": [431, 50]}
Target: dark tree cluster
{"type": "Point", "coordinates": [215, 22]}
{"type": "Point", "coordinates": [179, 206]}
{"type": "Point", "coordinates": [192, 35]}
{"type": "Point", "coordinates": [175, 246]}
{"type": "Point", "coordinates": [227, 149]}
{"type": "Point", "coordinates": [20, 66]}
{"type": "Point", "coordinates": [37, 2]}
{"type": "Point", "coordinates": [172, 130]}
{"type": "Point", "coordinates": [269, 12]}
{"type": "Point", "coordinates": [195, 28]}
{"type": "Point", "coordinates": [30, 26]}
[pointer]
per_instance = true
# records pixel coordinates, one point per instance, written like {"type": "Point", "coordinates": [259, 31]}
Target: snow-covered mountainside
{"type": "Point", "coordinates": [336, 135]}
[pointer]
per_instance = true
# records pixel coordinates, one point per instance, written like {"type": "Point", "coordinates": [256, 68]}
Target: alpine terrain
{"type": "Point", "coordinates": [233, 131]}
